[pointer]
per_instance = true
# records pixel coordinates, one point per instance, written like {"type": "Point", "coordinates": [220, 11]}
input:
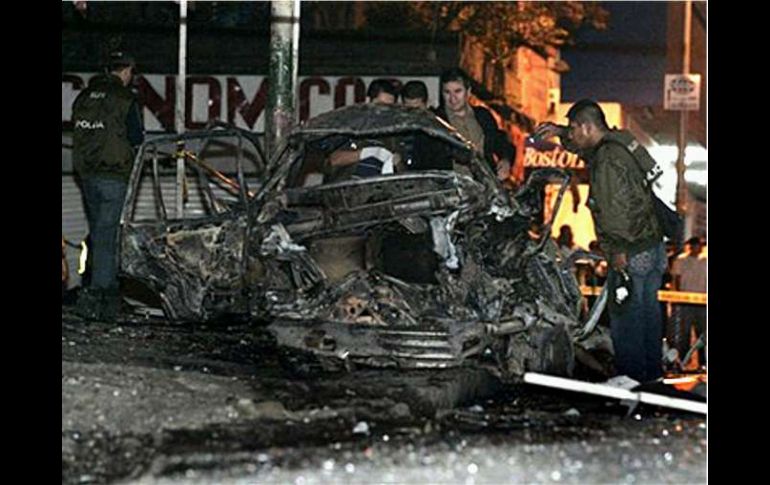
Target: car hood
{"type": "Point", "coordinates": [378, 119]}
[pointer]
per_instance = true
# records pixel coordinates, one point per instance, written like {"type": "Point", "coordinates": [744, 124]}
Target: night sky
{"type": "Point", "coordinates": [626, 62]}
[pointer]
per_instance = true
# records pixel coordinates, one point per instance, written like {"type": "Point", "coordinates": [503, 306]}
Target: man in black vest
{"type": "Point", "coordinates": [107, 130]}
{"type": "Point", "coordinates": [475, 123]}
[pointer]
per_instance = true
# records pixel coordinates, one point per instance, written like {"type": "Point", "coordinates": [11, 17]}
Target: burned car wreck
{"type": "Point", "coordinates": [423, 262]}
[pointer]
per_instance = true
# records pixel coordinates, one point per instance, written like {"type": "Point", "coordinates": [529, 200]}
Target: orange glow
{"type": "Point", "coordinates": [581, 222]}
{"type": "Point", "coordinates": [685, 382]}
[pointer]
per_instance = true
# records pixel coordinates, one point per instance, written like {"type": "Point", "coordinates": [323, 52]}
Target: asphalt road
{"type": "Point", "coordinates": [148, 402]}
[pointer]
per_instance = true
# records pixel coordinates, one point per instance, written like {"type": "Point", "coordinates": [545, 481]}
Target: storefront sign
{"type": "Point", "coordinates": [240, 100]}
{"type": "Point", "coordinates": [557, 157]}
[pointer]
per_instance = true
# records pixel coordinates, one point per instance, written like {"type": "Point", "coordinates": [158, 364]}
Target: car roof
{"type": "Point", "coordinates": [377, 119]}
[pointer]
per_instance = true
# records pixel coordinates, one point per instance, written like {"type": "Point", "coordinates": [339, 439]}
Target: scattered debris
{"type": "Point", "coordinates": [572, 412]}
{"type": "Point", "coordinates": [361, 427]}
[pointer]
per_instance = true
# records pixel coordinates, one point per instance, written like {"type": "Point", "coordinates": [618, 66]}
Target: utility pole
{"type": "Point", "coordinates": [282, 80]}
{"type": "Point", "coordinates": [681, 185]}
{"type": "Point", "coordinates": [180, 104]}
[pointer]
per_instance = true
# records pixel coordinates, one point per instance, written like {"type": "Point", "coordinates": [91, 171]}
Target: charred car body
{"type": "Point", "coordinates": [418, 268]}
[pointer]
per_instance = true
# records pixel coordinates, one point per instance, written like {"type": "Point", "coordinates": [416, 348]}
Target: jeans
{"type": "Point", "coordinates": [636, 326]}
{"type": "Point", "coordinates": [104, 203]}
{"type": "Point", "coordinates": [690, 316]}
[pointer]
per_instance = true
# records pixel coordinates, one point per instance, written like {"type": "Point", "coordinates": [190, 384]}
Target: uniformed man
{"type": "Point", "coordinates": [107, 130]}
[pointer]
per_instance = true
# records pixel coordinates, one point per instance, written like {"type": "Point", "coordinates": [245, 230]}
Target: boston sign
{"type": "Point", "coordinates": [544, 154]}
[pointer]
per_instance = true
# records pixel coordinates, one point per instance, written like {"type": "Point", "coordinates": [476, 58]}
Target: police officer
{"type": "Point", "coordinates": [628, 231]}
{"type": "Point", "coordinates": [107, 131]}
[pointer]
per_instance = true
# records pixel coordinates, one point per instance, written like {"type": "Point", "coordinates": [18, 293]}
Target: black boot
{"type": "Point", "coordinates": [89, 304]}
{"type": "Point", "coordinates": [111, 303]}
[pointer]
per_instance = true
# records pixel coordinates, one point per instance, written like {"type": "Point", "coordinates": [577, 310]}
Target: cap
{"type": "Point", "coordinates": [119, 59]}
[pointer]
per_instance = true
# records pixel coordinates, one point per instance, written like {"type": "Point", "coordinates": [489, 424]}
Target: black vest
{"type": "Point", "coordinates": [100, 137]}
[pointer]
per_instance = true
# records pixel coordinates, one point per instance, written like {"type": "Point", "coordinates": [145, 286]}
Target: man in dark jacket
{"type": "Point", "coordinates": [382, 91]}
{"type": "Point", "coordinates": [474, 122]}
{"type": "Point", "coordinates": [420, 151]}
{"type": "Point", "coordinates": [107, 130]}
{"type": "Point", "coordinates": [629, 235]}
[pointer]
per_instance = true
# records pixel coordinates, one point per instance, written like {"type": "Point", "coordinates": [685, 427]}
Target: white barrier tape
{"type": "Point", "coordinates": [614, 392]}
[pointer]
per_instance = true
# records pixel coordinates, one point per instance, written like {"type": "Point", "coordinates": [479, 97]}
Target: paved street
{"type": "Point", "coordinates": [147, 402]}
